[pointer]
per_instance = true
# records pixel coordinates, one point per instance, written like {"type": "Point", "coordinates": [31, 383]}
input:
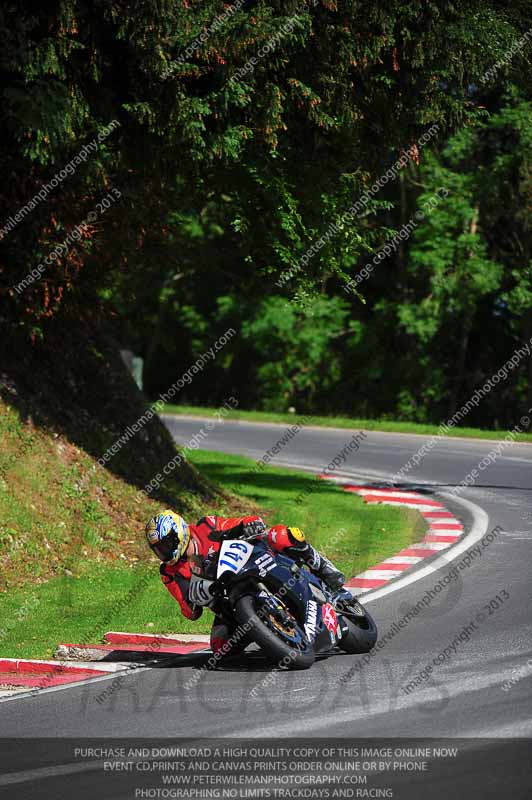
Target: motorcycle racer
{"type": "Point", "coordinates": [186, 552]}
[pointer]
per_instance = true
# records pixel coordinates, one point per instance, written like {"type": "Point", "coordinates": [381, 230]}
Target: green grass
{"type": "Point", "coordinates": [56, 508]}
{"type": "Point", "coordinates": [389, 426]}
{"type": "Point", "coordinates": [80, 610]}
{"type": "Point", "coordinates": [130, 597]}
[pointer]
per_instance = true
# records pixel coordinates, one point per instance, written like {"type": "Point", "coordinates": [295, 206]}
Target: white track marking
{"type": "Point", "coordinates": [402, 560]}
{"type": "Point", "coordinates": [396, 504]}
{"type": "Point", "coordinates": [428, 546]}
{"type": "Point", "coordinates": [385, 493]}
{"type": "Point", "coordinates": [378, 574]}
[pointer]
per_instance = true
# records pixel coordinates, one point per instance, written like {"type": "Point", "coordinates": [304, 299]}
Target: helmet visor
{"type": "Point", "coordinates": [166, 549]}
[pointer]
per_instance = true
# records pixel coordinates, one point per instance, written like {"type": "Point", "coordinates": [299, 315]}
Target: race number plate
{"type": "Point", "coordinates": [233, 555]}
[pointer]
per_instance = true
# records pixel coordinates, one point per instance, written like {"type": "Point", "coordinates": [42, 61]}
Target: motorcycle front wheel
{"type": "Point", "coordinates": [362, 633]}
{"type": "Point", "coordinates": [276, 632]}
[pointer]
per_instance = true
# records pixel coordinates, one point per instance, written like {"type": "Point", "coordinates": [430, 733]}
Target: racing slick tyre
{"type": "Point", "coordinates": [362, 633]}
{"type": "Point", "coordinates": [276, 632]}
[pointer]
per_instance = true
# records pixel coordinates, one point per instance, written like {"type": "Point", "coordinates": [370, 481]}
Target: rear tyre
{"type": "Point", "coordinates": [278, 635]}
{"type": "Point", "coordinates": [362, 633]}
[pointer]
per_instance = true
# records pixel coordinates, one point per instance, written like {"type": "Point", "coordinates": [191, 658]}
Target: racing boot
{"type": "Point", "coordinates": [226, 641]}
{"type": "Point", "coordinates": [319, 565]}
{"type": "Point", "coordinates": [327, 571]}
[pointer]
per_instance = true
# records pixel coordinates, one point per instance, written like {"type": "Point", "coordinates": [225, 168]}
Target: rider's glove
{"type": "Point", "coordinates": [254, 527]}
{"type": "Point", "coordinates": [200, 591]}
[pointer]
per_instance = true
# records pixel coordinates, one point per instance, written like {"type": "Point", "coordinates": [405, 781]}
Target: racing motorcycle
{"type": "Point", "coordinates": [283, 607]}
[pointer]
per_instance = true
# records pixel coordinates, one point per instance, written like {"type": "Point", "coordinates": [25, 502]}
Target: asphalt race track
{"type": "Point", "coordinates": [462, 697]}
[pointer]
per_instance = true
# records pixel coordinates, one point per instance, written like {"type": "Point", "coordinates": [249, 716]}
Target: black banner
{"type": "Point", "coordinates": [280, 769]}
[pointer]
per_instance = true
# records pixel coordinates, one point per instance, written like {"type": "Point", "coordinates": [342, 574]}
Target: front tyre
{"type": "Point", "coordinates": [276, 632]}
{"type": "Point", "coordinates": [362, 630]}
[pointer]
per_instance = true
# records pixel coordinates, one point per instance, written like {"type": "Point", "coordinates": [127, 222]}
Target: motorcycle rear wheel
{"type": "Point", "coordinates": [287, 645]}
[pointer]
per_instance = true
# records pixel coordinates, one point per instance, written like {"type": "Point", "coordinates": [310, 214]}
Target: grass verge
{"type": "Point", "coordinates": [58, 508]}
{"type": "Point", "coordinates": [386, 426]}
{"type": "Point", "coordinates": [99, 596]}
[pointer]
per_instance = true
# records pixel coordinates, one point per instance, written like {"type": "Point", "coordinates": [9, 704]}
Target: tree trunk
{"type": "Point", "coordinates": [155, 339]}
{"type": "Point", "coordinates": [401, 252]}
{"type": "Point", "coordinates": [465, 333]}
{"type": "Point", "coordinates": [527, 330]}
